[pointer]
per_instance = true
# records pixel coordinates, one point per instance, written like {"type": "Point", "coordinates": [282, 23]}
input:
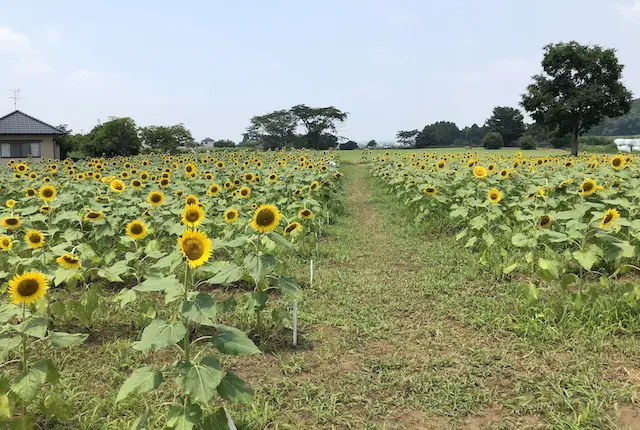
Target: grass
{"type": "Point", "coordinates": [361, 154]}
{"type": "Point", "coordinates": [401, 329]}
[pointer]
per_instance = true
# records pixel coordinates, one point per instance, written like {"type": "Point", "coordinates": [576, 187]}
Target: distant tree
{"type": "Point", "coordinates": [438, 134]}
{"type": "Point", "coordinates": [492, 140]}
{"type": "Point", "coordinates": [407, 138]}
{"type": "Point", "coordinates": [327, 141]}
{"type": "Point", "coordinates": [473, 135]}
{"type": "Point", "coordinates": [372, 144]}
{"type": "Point", "coordinates": [317, 121]}
{"type": "Point", "coordinates": [626, 125]}
{"type": "Point", "coordinates": [507, 121]}
{"type": "Point", "coordinates": [274, 130]}
{"type": "Point", "coordinates": [350, 145]}
{"type": "Point", "coordinates": [580, 86]}
{"type": "Point", "coordinates": [224, 143]}
{"type": "Point", "coordinates": [527, 142]}
{"type": "Point", "coordinates": [118, 136]}
{"type": "Point", "coordinates": [163, 138]}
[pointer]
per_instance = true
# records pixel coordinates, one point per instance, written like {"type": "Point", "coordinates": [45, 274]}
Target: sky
{"type": "Point", "coordinates": [212, 65]}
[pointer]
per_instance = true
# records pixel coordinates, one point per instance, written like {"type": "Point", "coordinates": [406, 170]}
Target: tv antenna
{"type": "Point", "coordinates": [15, 97]}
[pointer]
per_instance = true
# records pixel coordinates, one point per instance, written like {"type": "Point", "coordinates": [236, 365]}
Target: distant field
{"type": "Point", "coordinates": [360, 154]}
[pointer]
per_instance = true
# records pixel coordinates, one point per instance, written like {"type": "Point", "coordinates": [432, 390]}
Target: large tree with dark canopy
{"type": "Point", "coordinates": [167, 138]}
{"type": "Point", "coordinates": [579, 87]}
{"type": "Point", "coordinates": [118, 136]}
{"type": "Point", "coordinates": [507, 121]}
{"type": "Point", "coordinates": [274, 130]}
{"type": "Point", "coordinates": [438, 134]}
{"type": "Point", "coordinates": [317, 121]}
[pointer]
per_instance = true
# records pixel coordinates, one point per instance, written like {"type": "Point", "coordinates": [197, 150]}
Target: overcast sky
{"type": "Point", "coordinates": [392, 64]}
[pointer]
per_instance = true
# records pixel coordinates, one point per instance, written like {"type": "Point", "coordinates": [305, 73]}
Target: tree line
{"type": "Point", "coordinates": [580, 91]}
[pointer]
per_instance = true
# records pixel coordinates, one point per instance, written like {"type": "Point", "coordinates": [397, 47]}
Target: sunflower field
{"type": "Point", "coordinates": [181, 242]}
{"type": "Point", "coordinates": [561, 226]}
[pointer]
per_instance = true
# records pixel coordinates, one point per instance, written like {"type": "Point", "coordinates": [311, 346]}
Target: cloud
{"type": "Point", "coordinates": [12, 42]}
{"type": "Point", "coordinates": [629, 12]}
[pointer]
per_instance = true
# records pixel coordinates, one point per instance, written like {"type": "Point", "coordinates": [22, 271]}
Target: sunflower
{"type": "Point", "coordinates": [504, 173]}
{"type": "Point", "coordinates": [494, 195]}
{"type": "Point", "coordinates": [192, 200]}
{"type": "Point", "coordinates": [231, 215]}
{"type": "Point", "coordinates": [618, 162]}
{"type": "Point", "coordinates": [305, 214]}
{"type": "Point", "coordinates": [44, 209]}
{"type": "Point", "coordinates": [11, 223]}
{"type": "Point", "coordinates": [213, 189]}
{"type": "Point", "coordinates": [10, 203]}
{"type": "Point", "coordinates": [93, 216]}
{"type": "Point", "coordinates": [69, 261]}
{"type": "Point", "coordinates": [48, 193]}
{"type": "Point", "coordinates": [545, 221]}
{"type": "Point", "coordinates": [609, 217]}
{"type": "Point", "coordinates": [564, 183]}
{"type": "Point", "coordinates": [441, 164]}
{"type": "Point", "coordinates": [479, 172]}
{"type": "Point", "coordinates": [28, 287]}
{"type": "Point", "coordinates": [22, 168]}
{"type": "Point", "coordinates": [195, 246]}
{"type": "Point", "coordinates": [273, 177]}
{"type": "Point", "coordinates": [164, 182]}
{"type": "Point", "coordinates": [192, 215]}
{"type": "Point", "coordinates": [314, 186]}
{"type": "Point", "coordinates": [266, 218]}
{"type": "Point", "coordinates": [430, 191]}
{"type": "Point", "coordinates": [117, 186]}
{"type": "Point", "coordinates": [245, 192]}
{"type": "Point", "coordinates": [228, 185]}
{"type": "Point", "coordinates": [137, 229]}
{"type": "Point", "coordinates": [5, 243]}
{"type": "Point", "coordinates": [291, 228]}
{"type": "Point", "coordinates": [29, 192]}
{"type": "Point", "coordinates": [136, 184]}
{"type": "Point", "coordinates": [588, 187]}
{"type": "Point", "coordinates": [190, 168]}
{"type": "Point", "coordinates": [220, 164]}
{"type": "Point", "coordinates": [155, 198]}
{"type": "Point", "coordinates": [248, 177]}
{"type": "Point", "coordinates": [34, 238]}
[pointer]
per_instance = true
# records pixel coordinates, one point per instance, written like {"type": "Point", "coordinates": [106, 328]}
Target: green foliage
{"type": "Point", "coordinates": [407, 138]}
{"type": "Point", "coordinates": [118, 136]}
{"type": "Point", "coordinates": [625, 125]}
{"type": "Point", "coordinates": [372, 144]}
{"type": "Point", "coordinates": [350, 145]}
{"type": "Point", "coordinates": [162, 138]}
{"type": "Point", "coordinates": [317, 121]}
{"type": "Point", "coordinates": [274, 130]}
{"type": "Point", "coordinates": [492, 140]}
{"type": "Point", "coordinates": [507, 121]}
{"type": "Point", "coordinates": [473, 135]}
{"type": "Point", "coordinates": [581, 85]}
{"type": "Point", "coordinates": [439, 134]}
{"type": "Point", "coordinates": [527, 142]}
{"type": "Point", "coordinates": [224, 143]}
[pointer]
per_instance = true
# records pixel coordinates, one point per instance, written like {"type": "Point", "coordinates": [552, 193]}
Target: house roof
{"type": "Point", "coordinates": [18, 122]}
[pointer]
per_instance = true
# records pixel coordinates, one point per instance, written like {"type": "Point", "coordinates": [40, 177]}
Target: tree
{"type": "Point", "coordinates": [579, 87]}
{"type": "Point", "coordinates": [492, 140]}
{"type": "Point", "coordinates": [473, 135]}
{"type": "Point", "coordinates": [317, 121]}
{"type": "Point", "coordinates": [165, 138]}
{"type": "Point", "coordinates": [438, 134]}
{"type": "Point", "coordinates": [507, 121]}
{"type": "Point", "coordinates": [327, 141]}
{"type": "Point", "coordinates": [372, 144]}
{"type": "Point", "coordinates": [527, 142]}
{"type": "Point", "coordinates": [407, 138]}
{"type": "Point", "coordinates": [350, 145]}
{"type": "Point", "coordinates": [626, 125]}
{"type": "Point", "coordinates": [118, 136]}
{"type": "Point", "coordinates": [224, 143]}
{"type": "Point", "coordinates": [274, 130]}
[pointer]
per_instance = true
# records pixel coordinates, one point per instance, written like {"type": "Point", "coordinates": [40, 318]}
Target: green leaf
{"type": "Point", "coordinates": [65, 340]}
{"type": "Point", "coordinates": [201, 309]}
{"type": "Point", "coordinates": [259, 266]}
{"type": "Point", "coordinates": [568, 279]}
{"type": "Point", "coordinates": [510, 268]}
{"type": "Point", "coordinates": [140, 423]}
{"type": "Point", "coordinates": [8, 311]}
{"type": "Point", "coordinates": [7, 344]}
{"type": "Point", "coordinates": [628, 250]}
{"type": "Point", "coordinates": [63, 275]}
{"type": "Point", "coordinates": [28, 383]}
{"type": "Point", "coordinates": [125, 296]}
{"type": "Point", "coordinates": [549, 269]}
{"type": "Point", "coordinates": [5, 407]}
{"type": "Point", "coordinates": [472, 241]}
{"type": "Point", "coordinates": [488, 238]}
{"type": "Point", "coordinates": [200, 381]}
{"type": "Point", "coordinates": [216, 421]}
{"type": "Point", "coordinates": [226, 272]}
{"type": "Point", "coordinates": [234, 389]}
{"type": "Point", "coordinates": [34, 326]}
{"type": "Point", "coordinates": [86, 250]}
{"type": "Point", "coordinates": [289, 287]}
{"type": "Point", "coordinates": [142, 380]}
{"type": "Point", "coordinates": [460, 212]}
{"type": "Point", "coordinates": [72, 235]}
{"type": "Point", "coordinates": [530, 292]}
{"type": "Point", "coordinates": [230, 340]}
{"type": "Point", "coordinates": [170, 261]}
{"type": "Point", "coordinates": [112, 274]}
{"type": "Point", "coordinates": [159, 334]}
{"type": "Point", "coordinates": [522, 241]}
{"type": "Point", "coordinates": [158, 284]}
{"type": "Point", "coordinates": [462, 234]}
{"type": "Point", "coordinates": [279, 239]}
{"type": "Point", "coordinates": [586, 258]}
{"type": "Point", "coordinates": [181, 418]}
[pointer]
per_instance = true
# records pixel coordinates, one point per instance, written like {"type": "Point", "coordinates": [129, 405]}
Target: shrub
{"type": "Point", "coordinates": [492, 140]}
{"type": "Point", "coordinates": [527, 142]}
{"type": "Point", "coordinates": [349, 145]}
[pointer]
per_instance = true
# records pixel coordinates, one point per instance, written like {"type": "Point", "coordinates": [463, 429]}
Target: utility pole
{"type": "Point", "coordinates": [15, 97]}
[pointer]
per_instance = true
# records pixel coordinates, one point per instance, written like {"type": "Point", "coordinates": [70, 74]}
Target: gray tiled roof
{"type": "Point", "coordinates": [20, 123]}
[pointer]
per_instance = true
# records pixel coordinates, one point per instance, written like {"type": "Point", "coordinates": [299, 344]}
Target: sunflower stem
{"type": "Point", "coordinates": [24, 339]}
{"type": "Point", "coordinates": [186, 297]}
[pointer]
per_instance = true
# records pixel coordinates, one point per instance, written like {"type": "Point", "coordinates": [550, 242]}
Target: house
{"type": "Point", "coordinates": [207, 142]}
{"type": "Point", "coordinates": [23, 136]}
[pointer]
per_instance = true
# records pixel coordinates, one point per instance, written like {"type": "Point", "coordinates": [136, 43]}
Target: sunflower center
{"type": "Point", "coordinates": [28, 287]}
{"type": "Point", "coordinates": [35, 238]}
{"type": "Point", "coordinates": [191, 201]}
{"type": "Point", "coordinates": [30, 192]}
{"type": "Point", "coordinates": [93, 215]}
{"type": "Point", "coordinates": [12, 221]}
{"type": "Point", "coordinates": [118, 187]}
{"type": "Point", "coordinates": [608, 218]}
{"type": "Point", "coordinates": [305, 213]}
{"type": "Point", "coordinates": [231, 215]}
{"type": "Point", "coordinates": [47, 192]}
{"type": "Point", "coordinates": [617, 162]}
{"type": "Point", "coordinates": [136, 228]}
{"type": "Point", "coordinates": [5, 243]}
{"type": "Point", "coordinates": [193, 248]}
{"type": "Point", "coordinates": [291, 228]}
{"type": "Point", "coordinates": [265, 218]}
{"type": "Point", "coordinates": [587, 186]}
{"type": "Point", "coordinates": [192, 216]}
{"type": "Point", "coordinates": [155, 198]}
{"type": "Point", "coordinates": [69, 259]}
{"type": "Point", "coordinates": [494, 196]}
